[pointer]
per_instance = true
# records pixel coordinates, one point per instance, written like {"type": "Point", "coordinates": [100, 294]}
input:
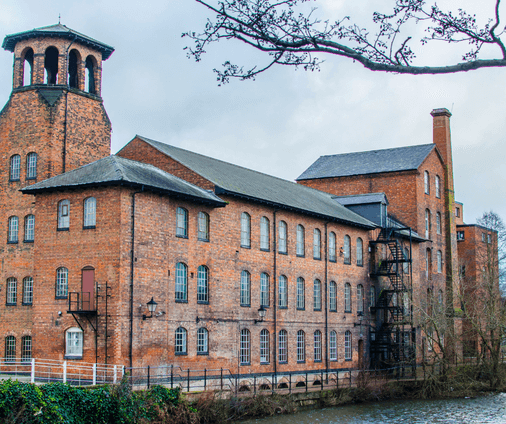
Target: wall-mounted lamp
{"type": "Point", "coordinates": [151, 308]}
{"type": "Point", "coordinates": [261, 314]}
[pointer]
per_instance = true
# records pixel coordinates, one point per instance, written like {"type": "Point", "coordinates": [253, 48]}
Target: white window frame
{"type": "Point", "coordinates": [333, 346]}
{"type": "Point", "coordinates": [317, 346]}
{"type": "Point", "coordinates": [13, 233]}
{"type": "Point", "coordinates": [202, 284]}
{"type": "Point", "coordinates": [282, 237]}
{"type": "Point", "coordinates": [89, 212]}
{"type": "Point", "coordinates": [283, 292]}
{"type": "Point", "coordinates": [283, 347]}
{"type": "Point", "coordinates": [62, 283]}
{"type": "Point", "coordinates": [31, 166]}
{"type": "Point", "coordinates": [439, 256]}
{"type": "Point", "coordinates": [301, 346]}
{"type": "Point", "coordinates": [301, 304]}
{"type": "Point", "coordinates": [347, 297]}
{"type": "Point", "coordinates": [438, 187]}
{"type": "Point", "coordinates": [347, 250]}
{"type": "Point", "coordinates": [74, 343]}
{"type": "Point", "coordinates": [372, 296]}
{"type": "Point", "coordinates": [181, 222]}
{"type": "Point", "coordinates": [264, 346]}
{"type": "Point", "coordinates": [300, 240]}
{"type": "Point", "coordinates": [63, 214]}
{"type": "Point", "coordinates": [333, 296]}
{"type": "Point", "coordinates": [202, 341]}
{"type": "Point", "coordinates": [181, 341]}
{"type": "Point", "coordinates": [181, 283]}
{"type": "Point", "coordinates": [245, 230]}
{"type": "Point", "coordinates": [29, 228]}
{"type": "Point", "coordinates": [427, 223]}
{"type": "Point", "coordinates": [360, 252]}
{"type": "Point", "coordinates": [10, 348]}
{"type": "Point", "coordinates": [317, 295]}
{"type": "Point", "coordinates": [438, 223]}
{"type": "Point", "coordinates": [27, 291]}
{"type": "Point", "coordinates": [317, 244]}
{"type": "Point", "coordinates": [360, 299]}
{"type": "Point", "coordinates": [426, 182]}
{"type": "Point", "coordinates": [347, 346]}
{"type": "Point", "coordinates": [332, 247]}
{"type": "Point", "coordinates": [203, 226]}
{"type": "Point", "coordinates": [264, 233]}
{"type": "Point", "coordinates": [245, 347]}
{"type": "Point", "coordinates": [245, 288]}
{"type": "Point", "coordinates": [12, 291]}
{"type": "Point", "coordinates": [15, 168]}
{"type": "Point", "coordinates": [26, 348]}
{"type": "Point", "coordinates": [264, 289]}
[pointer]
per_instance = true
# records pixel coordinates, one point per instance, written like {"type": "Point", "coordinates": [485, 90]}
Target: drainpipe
{"type": "Point", "coordinates": [132, 261]}
{"type": "Point", "coordinates": [275, 302]}
{"type": "Point", "coordinates": [326, 306]}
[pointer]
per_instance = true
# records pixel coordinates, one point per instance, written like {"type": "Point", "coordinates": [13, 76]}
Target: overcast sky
{"type": "Point", "coordinates": [283, 121]}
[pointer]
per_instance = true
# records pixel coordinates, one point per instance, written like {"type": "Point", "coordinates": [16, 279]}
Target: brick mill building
{"type": "Point", "coordinates": [249, 272]}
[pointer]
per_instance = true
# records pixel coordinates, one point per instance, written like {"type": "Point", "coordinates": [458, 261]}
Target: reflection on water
{"type": "Point", "coordinates": [487, 409]}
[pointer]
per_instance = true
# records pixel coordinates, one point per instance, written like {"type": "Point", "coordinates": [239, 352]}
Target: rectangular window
{"type": "Point", "coordinates": [483, 237]}
{"type": "Point", "coordinates": [245, 289]}
{"type": "Point", "coordinates": [300, 240]}
{"type": "Point", "coordinates": [457, 212]}
{"type": "Point", "coordinates": [264, 289]}
{"type": "Point", "coordinates": [283, 346]}
{"type": "Point", "coordinates": [245, 230]}
{"type": "Point", "coordinates": [333, 346]}
{"type": "Point", "coordinates": [489, 238]}
{"type": "Point", "coordinates": [90, 212]}
{"type": "Point", "coordinates": [317, 346]}
{"type": "Point", "coordinates": [283, 292]}
{"type": "Point", "coordinates": [301, 346]}
{"type": "Point", "coordinates": [181, 282]}
{"type": "Point", "coordinates": [332, 247]}
{"type": "Point", "coordinates": [26, 348]}
{"type": "Point", "coordinates": [28, 291]}
{"type": "Point", "coordinates": [264, 233]}
{"type": "Point", "coordinates": [63, 215]}
{"type": "Point", "coordinates": [245, 348]}
{"type": "Point", "coordinates": [202, 285]}
{"type": "Point", "coordinates": [31, 166]}
{"type": "Point", "coordinates": [264, 347]}
{"type": "Point", "coordinates": [300, 293]}
{"type": "Point", "coordinates": [13, 230]}
{"type": "Point", "coordinates": [10, 348]}
{"type": "Point", "coordinates": [29, 228]}
{"type": "Point", "coordinates": [460, 235]}
{"type": "Point", "coordinates": [12, 291]}
{"type": "Point", "coordinates": [182, 223]}
{"type": "Point", "coordinates": [74, 342]}
{"type": "Point", "coordinates": [282, 237]}
{"type": "Point", "coordinates": [316, 244]}
{"type": "Point", "coordinates": [203, 226]}
{"type": "Point", "coordinates": [347, 346]}
{"type": "Point", "coordinates": [317, 291]}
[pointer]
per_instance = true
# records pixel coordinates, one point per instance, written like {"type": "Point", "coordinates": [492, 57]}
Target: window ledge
{"type": "Point", "coordinates": [203, 239]}
{"type": "Point", "coordinates": [11, 304]}
{"type": "Point", "coordinates": [181, 236]}
{"type": "Point", "coordinates": [27, 241]}
{"type": "Point", "coordinates": [265, 363]}
{"type": "Point", "coordinates": [301, 362]}
{"type": "Point", "coordinates": [283, 362]}
{"type": "Point", "coordinates": [12, 242]}
{"type": "Point", "coordinates": [333, 260]}
{"type": "Point", "coordinates": [202, 353]}
{"type": "Point", "coordinates": [348, 360]}
{"type": "Point", "coordinates": [318, 360]}
{"type": "Point", "coordinates": [181, 301]}
{"type": "Point", "coordinates": [61, 297]}
{"type": "Point", "coordinates": [62, 229]}
{"type": "Point", "coordinates": [360, 265]}
{"type": "Point", "coordinates": [203, 302]}
{"type": "Point", "coordinates": [317, 259]}
{"type": "Point", "coordinates": [31, 178]}
{"type": "Point", "coordinates": [14, 180]}
{"type": "Point", "coordinates": [282, 307]}
{"type": "Point", "coordinates": [347, 262]}
{"type": "Point", "coordinates": [27, 304]}
{"type": "Point", "coordinates": [181, 353]}
{"type": "Point", "coordinates": [317, 309]}
{"type": "Point", "coordinates": [347, 312]}
{"type": "Point", "coordinates": [283, 253]}
{"type": "Point", "coordinates": [89, 227]}
{"type": "Point", "coordinates": [75, 357]}
{"type": "Point", "coordinates": [245, 305]}
{"type": "Point", "coordinates": [301, 309]}
{"type": "Point", "coordinates": [245, 247]}
{"type": "Point", "coordinates": [300, 256]}
{"type": "Point", "coordinates": [332, 310]}
{"type": "Point", "coordinates": [244, 363]}
{"type": "Point", "coordinates": [265, 250]}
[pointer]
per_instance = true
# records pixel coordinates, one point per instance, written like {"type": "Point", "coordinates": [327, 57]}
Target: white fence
{"type": "Point", "coordinates": [47, 371]}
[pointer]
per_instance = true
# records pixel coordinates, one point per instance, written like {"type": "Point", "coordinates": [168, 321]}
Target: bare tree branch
{"type": "Point", "coordinates": [294, 39]}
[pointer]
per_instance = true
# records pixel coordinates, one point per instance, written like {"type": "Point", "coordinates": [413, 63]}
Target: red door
{"type": "Point", "coordinates": [88, 289]}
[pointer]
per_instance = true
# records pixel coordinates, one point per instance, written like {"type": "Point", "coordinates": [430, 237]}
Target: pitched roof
{"type": "Point", "coordinates": [372, 162]}
{"type": "Point", "coordinates": [362, 199]}
{"type": "Point", "coordinates": [242, 182]}
{"type": "Point", "coordinates": [57, 30]}
{"type": "Point", "coordinates": [115, 170]}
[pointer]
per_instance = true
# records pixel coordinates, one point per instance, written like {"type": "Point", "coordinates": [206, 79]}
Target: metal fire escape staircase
{"type": "Point", "coordinates": [392, 343]}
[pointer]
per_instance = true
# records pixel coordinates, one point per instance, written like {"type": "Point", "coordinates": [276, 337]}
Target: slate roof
{"type": "Point", "coordinates": [362, 199]}
{"type": "Point", "coordinates": [57, 30]}
{"type": "Point", "coordinates": [115, 170]}
{"type": "Point", "coordinates": [372, 162]}
{"type": "Point", "coordinates": [245, 183]}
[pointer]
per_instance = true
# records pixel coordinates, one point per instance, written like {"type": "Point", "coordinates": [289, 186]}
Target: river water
{"type": "Point", "coordinates": [486, 409]}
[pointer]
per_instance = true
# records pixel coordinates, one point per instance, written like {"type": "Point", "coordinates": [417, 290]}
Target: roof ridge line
{"type": "Point", "coordinates": [377, 150]}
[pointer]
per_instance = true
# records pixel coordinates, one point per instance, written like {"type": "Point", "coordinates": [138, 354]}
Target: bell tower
{"type": "Point", "coordinates": [53, 122]}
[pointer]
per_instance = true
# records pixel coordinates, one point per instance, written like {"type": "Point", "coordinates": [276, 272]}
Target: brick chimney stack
{"type": "Point", "coordinates": [442, 139]}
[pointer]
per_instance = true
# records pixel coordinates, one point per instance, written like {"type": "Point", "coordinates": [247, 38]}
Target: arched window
{"type": "Point", "coordinates": [301, 304]}
{"type": "Point", "coordinates": [203, 226]}
{"type": "Point", "coordinates": [427, 223]}
{"type": "Point", "coordinates": [372, 296]}
{"type": "Point", "coordinates": [51, 66]}
{"type": "Point", "coordinates": [438, 187]}
{"type": "Point", "coordinates": [181, 222]}
{"type": "Point", "coordinates": [264, 233]}
{"type": "Point", "coordinates": [13, 230]}
{"type": "Point", "coordinates": [283, 292]}
{"type": "Point", "coordinates": [202, 341]}
{"type": "Point", "coordinates": [300, 240]}
{"type": "Point", "coordinates": [29, 228]}
{"type": "Point", "coordinates": [202, 284]}
{"type": "Point", "coordinates": [180, 342]}
{"type": "Point", "coordinates": [15, 168]}
{"type": "Point", "coordinates": [332, 246]}
{"type": "Point", "coordinates": [63, 215]}
{"type": "Point", "coordinates": [441, 298]}
{"type": "Point", "coordinates": [74, 343]}
{"type": "Point", "coordinates": [31, 166]}
{"type": "Point", "coordinates": [245, 288]}
{"type": "Point", "coordinates": [439, 262]}
{"type": "Point", "coordinates": [347, 249]}
{"type": "Point", "coordinates": [333, 346]}
{"type": "Point", "coordinates": [317, 295]}
{"type": "Point", "coordinates": [347, 297]}
{"type": "Point", "coordinates": [26, 348]}
{"type": "Point", "coordinates": [301, 346]}
{"type": "Point", "coordinates": [62, 282]}
{"type": "Point", "coordinates": [181, 282]}
{"type": "Point", "coordinates": [426, 182]}
{"type": "Point", "coordinates": [360, 252]}
{"type": "Point", "coordinates": [438, 223]}
{"type": "Point", "coordinates": [73, 69]}
{"type": "Point", "coordinates": [317, 237]}
{"type": "Point", "coordinates": [264, 289]}
{"type": "Point", "coordinates": [428, 263]}
{"type": "Point", "coordinates": [27, 291]}
{"type": "Point", "coordinates": [245, 348]}
{"type": "Point", "coordinates": [27, 67]}
{"type": "Point", "coordinates": [347, 346]}
{"type": "Point", "coordinates": [90, 66]}
{"type": "Point", "coordinates": [283, 346]}
{"type": "Point", "coordinates": [90, 212]}
{"type": "Point", "coordinates": [317, 346]}
{"type": "Point", "coordinates": [333, 296]}
{"type": "Point", "coordinates": [360, 299]}
{"type": "Point", "coordinates": [10, 348]}
{"type": "Point", "coordinates": [406, 260]}
{"type": "Point", "coordinates": [264, 346]}
{"type": "Point", "coordinates": [282, 248]}
{"type": "Point", "coordinates": [245, 230]}
{"type": "Point", "coordinates": [12, 291]}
